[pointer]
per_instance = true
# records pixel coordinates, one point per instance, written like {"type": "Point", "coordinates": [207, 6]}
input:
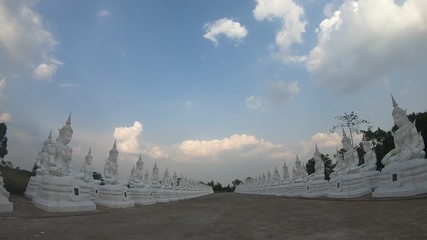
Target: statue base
{"type": "Point", "coordinates": [403, 179]}
{"type": "Point", "coordinates": [32, 186]}
{"type": "Point", "coordinates": [283, 189]}
{"type": "Point", "coordinates": [62, 194]}
{"type": "Point", "coordinates": [158, 194]}
{"type": "Point", "coordinates": [317, 186]}
{"type": "Point", "coordinates": [371, 178]}
{"type": "Point", "coordinates": [5, 205]}
{"type": "Point", "coordinates": [142, 195]}
{"type": "Point", "coordinates": [350, 185]}
{"type": "Point", "coordinates": [298, 188]}
{"type": "Point", "coordinates": [114, 196]}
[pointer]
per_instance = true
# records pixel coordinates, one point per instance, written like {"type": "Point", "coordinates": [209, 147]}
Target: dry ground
{"type": "Point", "coordinates": [227, 216]}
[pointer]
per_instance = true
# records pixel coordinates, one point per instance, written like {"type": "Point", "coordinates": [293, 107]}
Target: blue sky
{"type": "Point", "coordinates": [211, 89]}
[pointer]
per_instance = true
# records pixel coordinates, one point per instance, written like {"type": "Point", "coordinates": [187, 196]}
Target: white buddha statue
{"type": "Point", "coordinates": [276, 176]}
{"type": "Point", "coordinates": [137, 173]}
{"type": "Point", "coordinates": [319, 166]}
{"type": "Point", "coordinates": [300, 171]}
{"type": "Point", "coordinates": [87, 168]}
{"type": "Point", "coordinates": [111, 167]}
{"type": "Point", "coordinates": [339, 165]}
{"type": "Point", "coordinates": [155, 176]}
{"type": "Point", "coordinates": [147, 178]}
{"type": "Point", "coordinates": [351, 158]}
{"type": "Point", "coordinates": [45, 155]}
{"type": "Point", "coordinates": [370, 158]}
{"type": "Point", "coordinates": [175, 179]}
{"type": "Point", "coordinates": [166, 178]}
{"type": "Point", "coordinates": [59, 154]}
{"type": "Point", "coordinates": [268, 177]}
{"type": "Point", "coordinates": [286, 176]}
{"type": "Point", "coordinates": [408, 142]}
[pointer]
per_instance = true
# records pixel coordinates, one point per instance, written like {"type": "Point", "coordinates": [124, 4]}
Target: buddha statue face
{"type": "Point", "coordinates": [140, 165]}
{"type": "Point", "coordinates": [65, 136]}
{"type": "Point", "coordinates": [89, 159]}
{"type": "Point", "coordinates": [399, 118]}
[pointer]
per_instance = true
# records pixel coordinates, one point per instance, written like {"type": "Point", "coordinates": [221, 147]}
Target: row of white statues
{"type": "Point", "coordinates": [57, 188]}
{"type": "Point", "coordinates": [404, 174]}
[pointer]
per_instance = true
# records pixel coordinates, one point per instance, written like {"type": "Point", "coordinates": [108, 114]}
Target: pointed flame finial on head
{"type": "Point", "coordinates": [343, 133]}
{"type": "Point", "coordinates": [316, 149]}
{"type": "Point", "coordinates": [115, 143]}
{"type": "Point", "coordinates": [90, 151]}
{"type": "Point", "coordinates": [50, 135]}
{"type": "Point", "coordinates": [140, 158]}
{"type": "Point", "coordinates": [393, 101]}
{"type": "Point", "coordinates": [68, 120]}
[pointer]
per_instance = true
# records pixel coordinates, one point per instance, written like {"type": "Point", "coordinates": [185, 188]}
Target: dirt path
{"type": "Point", "coordinates": [226, 216]}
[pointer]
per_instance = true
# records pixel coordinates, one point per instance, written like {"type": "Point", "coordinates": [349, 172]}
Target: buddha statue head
{"type": "Point", "coordinates": [88, 157]}
{"type": "Point", "coordinates": [66, 132]}
{"type": "Point", "coordinates": [346, 141]}
{"type": "Point", "coordinates": [140, 164]}
{"type": "Point", "coordinates": [399, 115]}
{"type": "Point", "coordinates": [114, 154]}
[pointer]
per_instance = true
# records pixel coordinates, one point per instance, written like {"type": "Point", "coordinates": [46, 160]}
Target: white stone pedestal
{"type": "Point", "coordinates": [298, 188]}
{"type": "Point", "coordinates": [284, 189]}
{"type": "Point", "coordinates": [371, 178]}
{"type": "Point", "coordinates": [141, 195]}
{"type": "Point", "coordinates": [349, 185]}
{"type": "Point", "coordinates": [114, 196]}
{"type": "Point", "coordinates": [5, 205]}
{"type": "Point", "coordinates": [403, 179]}
{"type": "Point", "coordinates": [32, 186]}
{"type": "Point", "coordinates": [61, 194]}
{"type": "Point", "coordinates": [317, 186]}
{"type": "Point", "coordinates": [158, 194]}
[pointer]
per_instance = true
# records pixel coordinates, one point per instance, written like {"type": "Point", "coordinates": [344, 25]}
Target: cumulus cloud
{"type": "Point", "coordinates": [253, 102]}
{"type": "Point", "coordinates": [128, 138]}
{"type": "Point", "coordinates": [46, 71]}
{"type": "Point", "coordinates": [291, 16]}
{"type": "Point", "coordinates": [358, 44]}
{"type": "Point", "coordinates": [5, 117]}
{"type": "Point", "coordinates": [281, 92]}
{"type": "Point", "coordinates": [156, 152]}
{"type": "Point", "coordinates": [24, 41]}
{"type": "Point", "coordinates": [227, 27]}
{"type": "Point", "coordinates": [212, 147]}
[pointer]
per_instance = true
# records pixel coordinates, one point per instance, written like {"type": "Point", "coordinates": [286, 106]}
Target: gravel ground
{"type": "Point", "coordinates": [227, 216]}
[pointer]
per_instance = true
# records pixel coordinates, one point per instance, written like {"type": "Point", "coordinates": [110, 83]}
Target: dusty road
{"type": "Point", "coordinates": [226, 216]}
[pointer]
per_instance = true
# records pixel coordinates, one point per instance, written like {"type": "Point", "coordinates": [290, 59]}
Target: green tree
{"type": "Point", "coordinates": [3, 142]}
{"type": "Point", "coordinates": [236, 182]}
{"type": "Point", "coordinates": [309, 166]}
{"type": "Point", "coordinates": [351, 121]}
{"type": "Point", "coordinates": [329, 166]}
{"type": "Point", "coordinates": [382, 143]}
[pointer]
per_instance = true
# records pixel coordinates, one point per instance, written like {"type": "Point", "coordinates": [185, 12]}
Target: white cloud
{"type": "Point", "coordinates": [128, 138]}
{"type": "Point", "coordinates": [281, 92]}
{"type": "Point", "coordinates": [253, 102]}
{"type": "Point", "coordinates": [227, 27]}
{"type": "Point", "coordinates": [5, 117]}
{"type": "Point", "coordinates": [212, 147]}
{"type": "Point", "coordinates": [104, 13]}
{"type": "Point", "coordinates": [24, 42]}
{"type": "Point", "coordinates": [358, 45]}
{"type": "Point", "coordinates": [292, 17]}
{"type": "Point", "coordinates": [46, 71]}
{"type": "Point", "coordinates": [157, 152]}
